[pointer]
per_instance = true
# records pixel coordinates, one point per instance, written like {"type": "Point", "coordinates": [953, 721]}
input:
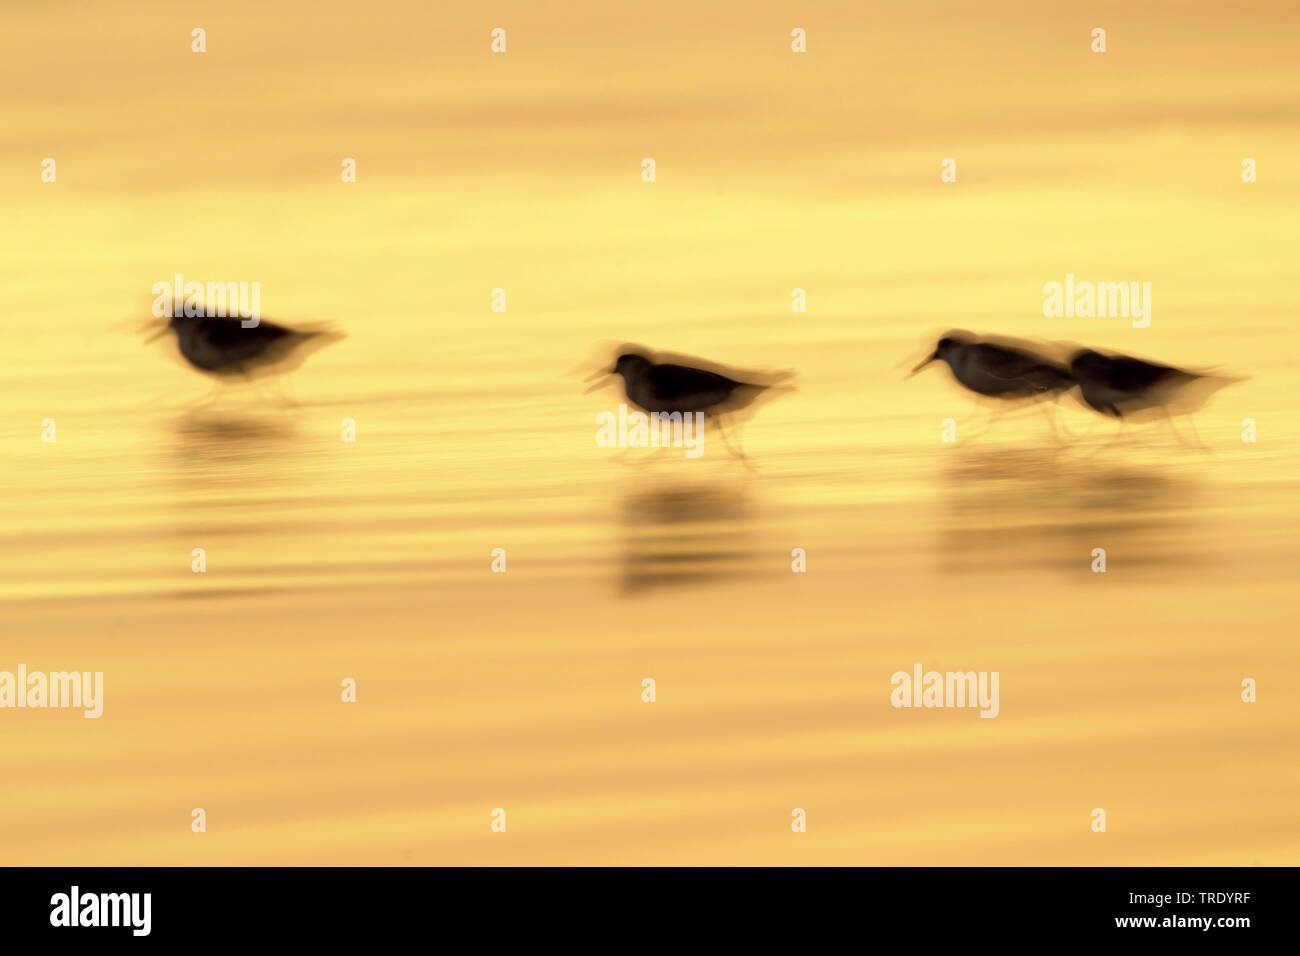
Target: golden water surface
{"type": "Point", "coordinates": [371, 560]}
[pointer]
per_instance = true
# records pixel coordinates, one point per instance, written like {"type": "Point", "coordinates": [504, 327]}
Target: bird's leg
{"type": "Point", "coordinates": [993, 415]}
{"type": "Point", "coordinates": [1051, 423]}
{"type": "Point", "coordinates": [1098, 428]}
{"type": "Point", "coordinates": [1056, 430]}
{"type": "Point", "coordinates": [739, 455]}
{"type": "Point", "coordinates": [739, 447]}
{"type": "Point", "coordinates": [211, 397]}
{"type": "Point", "coordinates": [1197, 435]}
{"type": "Point", "coordinates": [264, 397]}
{"type": "Point", "coordinates": [280, 390]}
{"type": "Point", "coordinates": [649, 456]}
{"type": "Point", "coordinates": [1120, 434]}
{"type": "Point", "coordinates": [161, 400]}
{"type": "Point", "coordinates": [985, 421]}
{"type": "Point", "coordinates": [253, 396]}
{"type": "Point", "coordinates": [1198, 444]}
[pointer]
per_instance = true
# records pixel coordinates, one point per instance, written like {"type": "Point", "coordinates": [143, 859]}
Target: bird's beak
{"type": "Point", "coordinates": [599, 377]}
{"type": "Point", "coordinates": [157, 335]}
{"type": "Point", "coordinates": [928, 360]}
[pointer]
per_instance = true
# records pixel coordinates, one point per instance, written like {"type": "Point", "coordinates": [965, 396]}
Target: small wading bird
{"type": "Point", "coordinates": [668, 387]}
{"type": "Point", "coordinates": [1129, 388]}
{"type": "Point", "coordinates": [1000, 369]}
{"type": "Point", "coordinates": [1120, 385]}
{"type": "Point", "coordinates": [224, 348]}
{"type": "Point", "coordinates": [1115, 385]}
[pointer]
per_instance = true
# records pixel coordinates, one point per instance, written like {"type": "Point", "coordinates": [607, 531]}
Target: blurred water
{"type": "Point", "coordinates": [371, 560]}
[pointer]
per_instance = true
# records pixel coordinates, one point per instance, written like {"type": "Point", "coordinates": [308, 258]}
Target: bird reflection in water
{"type": "Point", "coordinates": [1035, 508]}
{"type": "Point", "coordinates": [686, 534]}
{"type": "Point", "coordinates": [230, 456]}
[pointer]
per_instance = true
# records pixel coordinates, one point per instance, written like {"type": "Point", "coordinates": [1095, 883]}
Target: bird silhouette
{"type": "Point", "coordinates": [1122, 386]}
{"type": "Point", "coordinates": [687, 386]}
{"type": "Point", "coordinates": [669, 387]}
{"type": "Point", "coordinates": [225, 348]}
{"type": "Point", "coordinates": [999, 369]}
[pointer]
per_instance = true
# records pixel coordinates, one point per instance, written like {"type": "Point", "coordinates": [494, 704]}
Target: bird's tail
{"type": "Point", "coordinates": [771, 379]}
{"type": "Point", "coordinates": [289, 352]}
{"type": "Point", "coordinates": [322, 331]}
{"type": "Point", "coordinates": [755, 390]}
{"type": "Point", "coordinates": [1193, 390]}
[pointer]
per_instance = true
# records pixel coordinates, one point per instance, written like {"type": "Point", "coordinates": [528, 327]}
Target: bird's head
{"type": "Point", "coordinates": [629, 363]}
{"type": "Point", "coordinates": [176, 322]}
{"type": "Point", "coordinates": [181, 319]}
{"type": "Point", "coordinates": [164, 325]}
{"type": "Point", "coordinates": [944, 348]}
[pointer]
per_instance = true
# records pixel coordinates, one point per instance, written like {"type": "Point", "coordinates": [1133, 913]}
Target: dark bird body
{"type": "Point", "coordinates": [223, 347]}
{"type": "Point", "coordinates": [1120, 385]}
{"type": "Point", "coordinates": [672, 388]}
{"type": "Point", "coordinates": [687, 384]}
{"type": "Point", "coordinates": [668, 388]}
{"type": "Point", "coordinates": [999, 370]}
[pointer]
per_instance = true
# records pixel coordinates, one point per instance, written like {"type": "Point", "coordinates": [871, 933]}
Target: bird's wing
{"type": "Point", "coordinates": [1011, 364]}
{"type": "Point", "coordinates": [674, 381]}
{"type": "Point", "coordinates": [237, 342]}
{"type": "Point", "coordinates": [1130, 374]}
